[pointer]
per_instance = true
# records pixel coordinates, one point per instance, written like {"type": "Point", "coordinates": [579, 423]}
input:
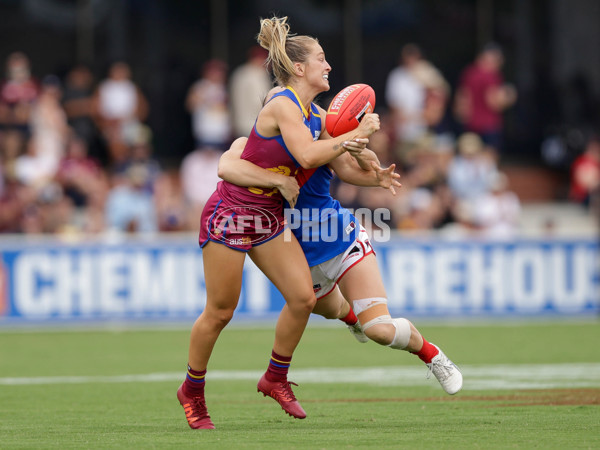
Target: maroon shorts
{"type": "Point", "coordinates": [240, 227]}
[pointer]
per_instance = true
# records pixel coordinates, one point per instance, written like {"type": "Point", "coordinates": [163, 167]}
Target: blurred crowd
{"type": "Point", "coordinates": [76, 154]}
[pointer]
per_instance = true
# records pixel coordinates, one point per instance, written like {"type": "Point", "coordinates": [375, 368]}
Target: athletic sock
{"type": "Point", "coordinates": [427, 352]}
{"type": "Point", "coordinates": [350, 318]}
{"type": "Point", "coordinates": [193, 386]}
{"type": "Point", "coordinates": [278, 367]}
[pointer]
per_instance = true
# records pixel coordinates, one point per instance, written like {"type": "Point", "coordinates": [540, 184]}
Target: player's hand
{"type": "Point", "coordinates": [388, 179]}
{"type": "Point", "coordinates": [368, 125]}
{"type": "Point", "coordinates": [288, 187]}
{"type": "Point", "coordinates": [355, 146]}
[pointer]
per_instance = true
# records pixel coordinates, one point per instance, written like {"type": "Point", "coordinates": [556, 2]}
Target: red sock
{"type": "Point", "coordinates": [427, 352]}
{"type": "Point", "coordinates": [278, 367]}
{"type": "Point", "coordinates": [350, 318]}
{"type": "Point", "coordinates": [193, 386]}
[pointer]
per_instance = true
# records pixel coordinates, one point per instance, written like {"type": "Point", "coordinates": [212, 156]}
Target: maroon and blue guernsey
{"type": "Point", "coordinates": [242, 217]}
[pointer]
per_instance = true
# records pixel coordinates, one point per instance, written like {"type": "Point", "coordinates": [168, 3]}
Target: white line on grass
{"type": "Point", "coordinates": [526, 376]}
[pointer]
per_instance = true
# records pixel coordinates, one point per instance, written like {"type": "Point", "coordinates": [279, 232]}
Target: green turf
{"type": "Point", "coordinates": [340, 415]}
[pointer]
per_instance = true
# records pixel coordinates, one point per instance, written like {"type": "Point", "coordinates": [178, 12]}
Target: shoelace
{"type": "Point", "coordinates": [445, 366]}
{"type": "Point", "coordinates": [285, 392]}
{"type": "Point", "coordinates": [198, 407]}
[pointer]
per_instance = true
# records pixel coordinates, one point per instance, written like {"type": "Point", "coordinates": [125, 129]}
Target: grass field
{"type": "Point", "coordinates": [527, 385]}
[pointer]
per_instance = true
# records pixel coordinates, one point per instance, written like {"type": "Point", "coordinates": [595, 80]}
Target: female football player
{"type": "Point", "coordinates": [239, 220]}
{"type": "Point", "coordinates": [344, 269]}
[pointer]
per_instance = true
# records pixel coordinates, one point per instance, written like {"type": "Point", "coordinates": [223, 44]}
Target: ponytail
{"type": "Point", "coordinates": [284, 48]}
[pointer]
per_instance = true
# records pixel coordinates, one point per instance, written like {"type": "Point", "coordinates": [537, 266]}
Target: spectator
{"type": "Point", "coordinates": [49, 126]}
{"type": "Point", "coordinates": [199, 180]}
{"type": "Point", "coordinates": [482, 96]}
{"type": "Point", "coordinates": [437, 92]}
{"type": "Point", "coordinates": [207, 102]}
{"type": "Point", "coordinates": [18, 91]}
{"type": "Point", "coordinates": [422, 165]}
{"type": "Point", "coordinates": [463, 225]}
{"type": "Point", "coordinates": [33, 169]}
{"type": "Point", "coordinates": [470, 173]}
{"type": "Point", "coordinates": [422, 211]}
{"type": "Point", "coordinates": [250, 83]}
{"type": "Point", "coordinates": [12, 145]}
{"type": "Point", "coordinates": [15, 199]}
{"type": "Point", "coordinates": [497, 214]}
{"type": "Point", "coordinates": [93, 220]}
{"type": "Point", "coordinates": [80, 176]}
{"type": "Point", "coordinates": [77, 102]}
{"type": "Point", "coordinates": [129, 207]}
{"type": "Point", "coordinates": [416, 94]}
{"type": "Point", "coordinates": [31, 202]}
{"type": "Point", "coordinates": [585, 173]}
{"type": "Point", "coordinates": [171, 209]}
{"type": "Point", "coordinates": [119, 107]}
{"type": "Point", "coordinates": [50, 213]}
{"type": "Point", "coordinates": [140, 154]}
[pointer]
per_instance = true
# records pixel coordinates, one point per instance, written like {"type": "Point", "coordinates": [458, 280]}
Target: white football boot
{"type": "Point", "coordinates": [446, 372]}
{"type": "Point", "coordinates": [358, 333]}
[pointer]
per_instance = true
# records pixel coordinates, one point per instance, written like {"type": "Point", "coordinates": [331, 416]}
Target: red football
{"type": "Point", "coordinates": [348, 108]}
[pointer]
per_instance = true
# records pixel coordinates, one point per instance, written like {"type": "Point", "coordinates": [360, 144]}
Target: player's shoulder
{"type": "Point", "coordinates": [277, 98]}
{"type": "Point", "coordinates": [282, 106]}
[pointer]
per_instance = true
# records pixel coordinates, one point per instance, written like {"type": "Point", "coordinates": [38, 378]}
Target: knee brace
{"type": "Point", "coordinates": [402, 334]}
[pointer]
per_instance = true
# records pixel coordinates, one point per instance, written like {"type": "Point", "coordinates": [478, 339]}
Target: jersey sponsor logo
{"type": "Point", "coordinates": [350, 228]}
{"type": "Point", "coordinates": [243, 225]}
{"type": "Point", "coordinates": [246, 240]}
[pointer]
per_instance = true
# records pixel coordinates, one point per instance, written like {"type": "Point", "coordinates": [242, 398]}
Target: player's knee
{"type": "Point", "coordinates": [219, 318]}
{"type": "Point", "coordinates": [303, 302]}
{"type": "Point", "coordinates": [334, 311]}
{"type": "Point", "coordinates": [402, 334]}
{"type": "Point", "coordinates": [384, 330]}
{"type": "Point", "coordinates": [382, 333]}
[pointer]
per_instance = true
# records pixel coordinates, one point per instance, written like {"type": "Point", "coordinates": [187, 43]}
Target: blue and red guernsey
{"type": "Point", "coordinates": [233, 211]}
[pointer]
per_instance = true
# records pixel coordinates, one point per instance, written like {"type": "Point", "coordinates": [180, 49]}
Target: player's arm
{"type": "Point", "coordinates": [244, 173]}
{"type": "Point", "coordinates": [359, 168]}
{"type": "Point", "coordinates": [283, 114]}
{"type": "Point", "coordinates": [348, 170]}
{"type": "Point", "coordinates": [364, 158]}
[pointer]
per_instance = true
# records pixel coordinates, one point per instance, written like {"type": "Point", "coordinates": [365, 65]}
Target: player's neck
{"type": "Point", "coordinates": [303, 97]}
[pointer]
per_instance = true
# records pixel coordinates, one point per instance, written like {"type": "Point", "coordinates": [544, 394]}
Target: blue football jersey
{"type": "Point", "coordinates": [322, 226]}
{"type": "Point", "coordinates": [326, 228]}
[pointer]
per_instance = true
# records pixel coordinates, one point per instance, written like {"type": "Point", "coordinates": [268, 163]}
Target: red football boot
{"type": "Point", "coordinates": [281, 391]}
{"type": "Point", "coordinates": [195, 411]}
